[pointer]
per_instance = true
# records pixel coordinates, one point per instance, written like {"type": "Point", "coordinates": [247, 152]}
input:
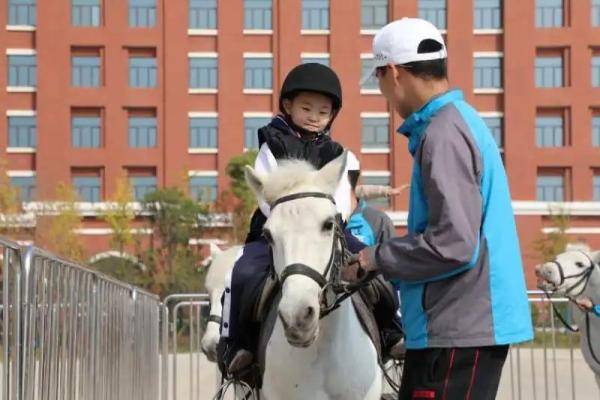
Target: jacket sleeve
{"type": "Point", "coordinates": [450, 171]}
{"type": "Point", "coordinates": [264, 164]}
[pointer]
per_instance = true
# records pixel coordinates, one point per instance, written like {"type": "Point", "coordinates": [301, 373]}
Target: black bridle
{"type": "Point", "coordinates": [333, 290]}
{"type": "Point", "coordinates": [584, 278]}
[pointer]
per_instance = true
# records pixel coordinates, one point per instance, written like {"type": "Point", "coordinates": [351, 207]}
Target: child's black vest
{"type": "Point", "coordinates": [285, 144]}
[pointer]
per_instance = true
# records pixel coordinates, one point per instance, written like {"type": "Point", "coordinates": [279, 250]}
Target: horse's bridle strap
{"type": "Point", "coordinates": [301, 269]}
{"type": "Point", "coordinates": [296, 196]}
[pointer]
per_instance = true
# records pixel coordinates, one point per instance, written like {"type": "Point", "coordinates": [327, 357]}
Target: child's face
{"type": "Point", "coordinates": [310, 111]}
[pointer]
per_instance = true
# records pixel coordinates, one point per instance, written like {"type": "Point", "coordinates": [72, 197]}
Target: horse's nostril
{"type": "Point", "coordinates": [310, 312]}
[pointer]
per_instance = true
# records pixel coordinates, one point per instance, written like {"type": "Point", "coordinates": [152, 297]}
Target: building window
{"type": "Point", "coordinates": [142, 13]}
{"type": "Point", "coordinates": [596, 71]}
{"type": "Point", "coordinates": [597, 186]}
{"type": "Point", "coordinates": [203, 72]}
{"type": "Point", "coordinates": [22, 131]}
{"type": "Point", "coordinates": [433, 11]}
{"type": "Point", "coordinates": [203, 132]}
{"type": "Point", "coordinates": [258, 73]}
{"type": "Point", "coordinates": [488, 73]}
{"type": "Point", "coordinates": [314, 59]}
{"type": "Point", "coordinates": [142, 185]}
{"type": "Point", "coordinates": [258, 14]}
{"type": "Point", "coordinates": [595, 4]}
{"type": "Point", "coordinates": [85, 12]}
{"type": "Point", "coordinates": [315, 14]}
{"type": "Point", "coordinates": [550, 187]}
{"type": "Point", "coordinates": [86, 129]}
{"type": "Point", "coordinates": [142, 130]}
{"type": "Point", "coordinates": [375, 133]}
{"type": "Point", "coordinates": [203, 188]}
{"type": "Point", "coordinates": [549, 131]}
{"type": "Point", "coordinates": [21, 12]}
{"type": "Point", "coordinates": [495, 126]}
{"type": "Point", "coordinates": [373, 14]}
{"type": "Point", "coordinates": [87, 185]}
{"type": "Point", "coordinates": [203, 14]}
{"type": "Point", "coordinates": [22, 70]}
{"type": "Point", "coordinates": [488, 14]}
{"type": "Point", "coordinates": [142, 70]}
{"type": "Point", "coordinates": [549, 71]}
{"type": "Point", "coordinates": [596, 131]}
{"type": "Point", "coordinates": [379, 180]}
{"type": "Point", "coordinates": [251, 127]}
{"type": "Point", "coordinates": [549, 13]}
{"type": "Point", "coordinates": [372, 83]}
{"type": "Point", "coordinates": [85, 68]}
{"type": "Point", "coordinates": [25, 185]}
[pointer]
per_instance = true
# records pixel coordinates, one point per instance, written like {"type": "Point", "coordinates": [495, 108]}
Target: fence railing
{"type": "Point", "coordinates": [551, 366]}
{"type": "Point", "coordinates": [73, 333]}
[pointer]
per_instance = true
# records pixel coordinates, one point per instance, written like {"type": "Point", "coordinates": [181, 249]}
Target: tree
{"type": "Point", "coordinates": [120, 215]}
{"type": "Point", "coordinates": [551, 244]}
{"type": "Point", "coordinates": [56, 227]}
{"type": "Point", "coordinates": [171, 261]}
{"type": "Point", "coordinates": [9, 195]}
{"type": "Point", "coordinates": [245, 202]}
{"type": "Point", "coordinates": [10, 205]}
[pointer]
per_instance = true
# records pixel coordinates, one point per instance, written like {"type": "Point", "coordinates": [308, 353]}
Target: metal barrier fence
{"type": "Point", "coordinates": [73, 333]}
{"type": "Point", "coordinates": [551, 366]}
{"type": "Point", "coordinates": [189, 375]}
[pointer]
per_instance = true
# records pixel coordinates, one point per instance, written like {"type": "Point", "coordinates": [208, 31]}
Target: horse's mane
{"type": "Point", "coordinates": [289, 176]}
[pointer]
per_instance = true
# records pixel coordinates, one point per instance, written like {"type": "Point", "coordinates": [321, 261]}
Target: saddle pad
{"type": "Point", "coordinates": [367, 320]}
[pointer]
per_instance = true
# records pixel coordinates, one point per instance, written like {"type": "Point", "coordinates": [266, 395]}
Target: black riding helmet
{"type": "Point", "coordinates": [312, 77]}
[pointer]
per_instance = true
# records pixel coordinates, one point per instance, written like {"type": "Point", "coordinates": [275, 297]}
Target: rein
{"type": "Point", "coordinates": [584, 277]}
{"type": "Point", "coordinates": [333, 291]}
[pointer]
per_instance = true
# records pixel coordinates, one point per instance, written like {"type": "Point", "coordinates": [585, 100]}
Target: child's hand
{"type": "Point", "coordinates": [397, 190]}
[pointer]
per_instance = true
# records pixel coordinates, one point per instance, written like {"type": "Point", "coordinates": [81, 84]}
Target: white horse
{"type": "Point", "coordinates": [576, 274]}
{"type": "Point", "coordinates": [221, 265]}
{"type": "Point", "coordinates": [308, 357]}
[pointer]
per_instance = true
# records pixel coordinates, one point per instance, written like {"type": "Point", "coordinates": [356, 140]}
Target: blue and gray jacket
{"type": "Point", "coordinates": [459, 268]}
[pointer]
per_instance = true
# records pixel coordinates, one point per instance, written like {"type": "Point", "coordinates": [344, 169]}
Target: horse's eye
{"type": "Point", "coordinates": [268, 236]}
{"type": "Point", "coordinates": [328, 225]}
{"type": "Point", "coordinates": [579, 264]}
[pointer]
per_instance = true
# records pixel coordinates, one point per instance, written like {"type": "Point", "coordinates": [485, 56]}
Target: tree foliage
{"type": "Point", "coordinates": [56, 228]}
{"type": "Point", "coordinates": [245, 200]}
{"type": "Point", "coordinates": [172, 263]}
{"type": "Point", "coordinates": [551, 244]}
{"type": "Point", "coordinates": [120, 215]}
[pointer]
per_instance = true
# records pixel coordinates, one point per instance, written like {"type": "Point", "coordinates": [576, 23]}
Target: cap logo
{"type": "Point", "coordinates": [380, 57]}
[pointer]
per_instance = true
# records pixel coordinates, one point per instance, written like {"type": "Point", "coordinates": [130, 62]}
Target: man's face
{"type": "Point", "coordinates": [394, 85]}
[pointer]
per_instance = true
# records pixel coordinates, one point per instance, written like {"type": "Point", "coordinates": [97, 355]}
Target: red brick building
{"type": "Point", "coordinates": [157, 89]}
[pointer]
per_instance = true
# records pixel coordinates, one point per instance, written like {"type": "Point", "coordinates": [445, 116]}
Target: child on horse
{"type": "Point", "coordinates": [310, 100]}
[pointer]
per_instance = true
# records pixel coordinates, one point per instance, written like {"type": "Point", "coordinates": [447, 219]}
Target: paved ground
{"type": "Point", "coordinates": [531, 365]}
{"type": "Point", "coordinates": [531, 389]}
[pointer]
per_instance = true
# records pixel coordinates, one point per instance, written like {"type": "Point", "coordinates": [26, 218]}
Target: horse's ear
{"type": "Point", "coordinates": [254, 181]}
{"type": "Point", "coordinates": [329, 176]}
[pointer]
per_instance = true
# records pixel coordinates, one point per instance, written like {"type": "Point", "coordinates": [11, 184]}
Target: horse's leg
{"type": "Point", "coordinates": [598, 380]}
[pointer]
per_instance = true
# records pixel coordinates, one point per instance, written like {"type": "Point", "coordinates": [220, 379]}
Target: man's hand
{"type": "Point", "coordinates": [358, 266]}
{"type": "Point", "coordinates": [584, 304]}
{"type": "Point", "coordinates": [397, 190]}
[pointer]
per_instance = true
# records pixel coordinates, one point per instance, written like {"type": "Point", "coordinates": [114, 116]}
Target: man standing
{"type": "Point", "coordinates": [459, 268]}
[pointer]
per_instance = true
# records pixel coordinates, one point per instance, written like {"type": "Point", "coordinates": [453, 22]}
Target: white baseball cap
{"type": "Point", "coordinates": [398, 43]}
